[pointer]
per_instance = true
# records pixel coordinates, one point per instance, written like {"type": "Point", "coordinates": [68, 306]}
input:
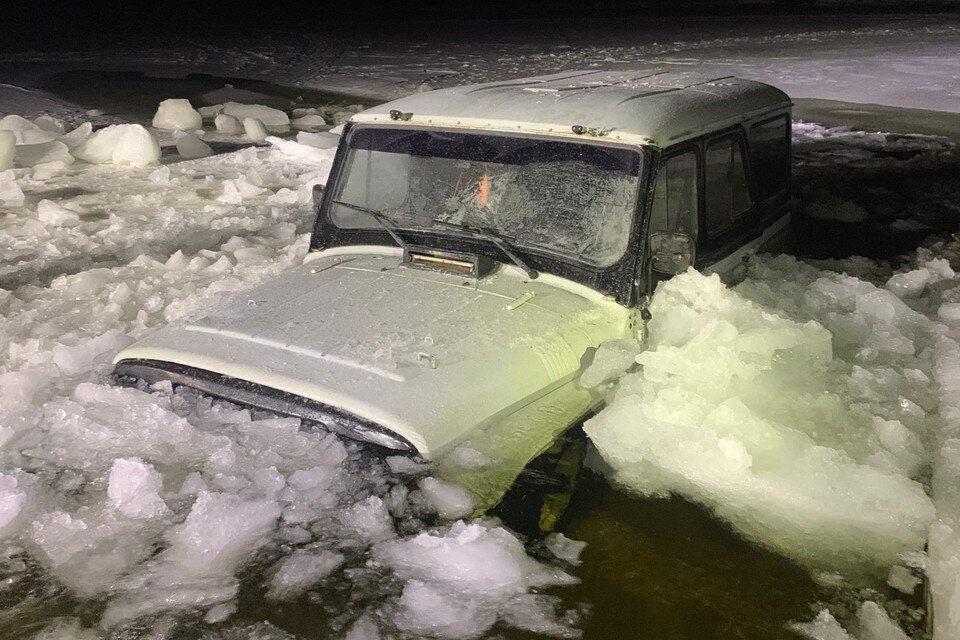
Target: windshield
{"type": "Point", "coordinates": [571, 199]}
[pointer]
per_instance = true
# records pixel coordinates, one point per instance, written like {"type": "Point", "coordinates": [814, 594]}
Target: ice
{"type": "Point", "coordinates": [211, 111]}
{"type": "Point", "coordinates": [11, 500]}
{"type": "Point", "coordinates": [268, 116]}
{"type": "Point", "coordinates": [134, 489]}
{"type": "Point", "coordinates": [298, 150]}
{"type": "Point", "coordinates": [564, 548]}
{"type": "Point", "coordinates": [72, 360]}
{"type": "Point", "coordinates": [221, 532]}
{"type": "Point", "coordinates": [254, 129]}
{"type": "Point", "coordinates": [190, 147]}
{"type": "Point", "coordinates": [309, 121]}
{"type": "Point", "coordinates": [24, 131]}
{"type": "Point", "coordinates": [49, 123]}
{"type": "Point", "coordinates": [227, 124]}
{"type": "Point", "coordinates": [451, 501]}
{"type": "Point", "coordinates": [319, 140]}
{"type": "Point", "coordinates": [122, 144]}
{"type": "Point", "coordinates": [53, 214]}
{"type": "Point", "coordinates": [8, 148]}
{"type": "Point", "coordinates": [425, 609]}
{"type": "Point", "coordinates": [30, 155]}
{"type": "Point", "coordinates": [875, 624]}
{"type": "Point", "coordinates": [460, 582]}
{"type": "Point", "coordinates": [10, 192]}
{"type": "Point", "coordinates": [66, 629]}
{"type": "Point", "coordinates": [405, 465]}
{"type": "Point", "coordinates": [77, 135]}
{"type": "Point", "coordinates": [750, 413]}
{"type": "Point", "coordinates": [177, 114]}
{"type": "Point", "coordinates": [47, 170]}
{"type": "Point", "coordinates": [610, 361]}
{"type": "Point", "coordinates": [902, 579]}
{"type": "Point", "coordinates": [300, 571]}
{"type": "Point", "coordinates": [823, 627]}
{"type": "Point", "coordinates": [369, 520]}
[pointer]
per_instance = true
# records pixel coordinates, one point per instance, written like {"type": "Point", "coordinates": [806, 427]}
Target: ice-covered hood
{"type": "Point", "coordinates": [427, 355]}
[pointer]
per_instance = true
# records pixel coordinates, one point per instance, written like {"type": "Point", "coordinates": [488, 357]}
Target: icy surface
{"type": "Point", "coordinates": [177, 114]}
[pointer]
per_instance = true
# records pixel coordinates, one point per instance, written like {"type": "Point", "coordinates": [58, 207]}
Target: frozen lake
{"type": "Point", "coordinates": [152, 513]}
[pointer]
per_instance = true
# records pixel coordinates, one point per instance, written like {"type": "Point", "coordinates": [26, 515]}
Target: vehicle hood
{"type": "Point", "coordinates": [430, 356]}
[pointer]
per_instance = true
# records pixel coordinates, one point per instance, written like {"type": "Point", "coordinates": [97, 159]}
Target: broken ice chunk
{"type": "Point", "coordinates": [564, 548]}
{"type": "Point", "coordinates": [77, 136]}
{"type": "Point", "coordinates": [226, 124]}
{"type": "Point", "coordinates": [267, 116]}
{"type": "Point", "coordinates": [191, 147]}
{"type": "Point", "coordinates": [134, 488]}
{"type": "Point", "coordinates": [254, 129]}
{"type": "Point", "coordinates": [10, 192]}
{"type": "Point", "coordinates": [123, 144]}
{"type": "Point", "coordinates": [300, 571]}
{"type": "Point", "coordinates": [30, 155]}
{"type": "Point", "coordinates": [8, 148]}
{"type": "Point", "coordinates": [451, 501]}
{"type": "Point", "coordinates": [52, 214]}
{"type": "Point", "coordinates": [177, 114]}
{"type": "Point", "coordinates": [902, 579]}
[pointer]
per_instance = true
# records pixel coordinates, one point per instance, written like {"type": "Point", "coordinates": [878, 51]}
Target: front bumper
{"type": "Point", "coordinates": [262, 397]}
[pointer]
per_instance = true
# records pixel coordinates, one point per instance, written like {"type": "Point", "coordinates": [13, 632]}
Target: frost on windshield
{"type": "Point", "coordinates": [569, 199]}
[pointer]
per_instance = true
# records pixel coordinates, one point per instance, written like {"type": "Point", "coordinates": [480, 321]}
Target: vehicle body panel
{"type": "Point", "coordinates": [428, 355]}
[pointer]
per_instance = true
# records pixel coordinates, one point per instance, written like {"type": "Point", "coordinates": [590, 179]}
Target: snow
{"type": "Point", "coordinates": [122, 144]}
{"type": "Point", "coordinates": [177, 114]}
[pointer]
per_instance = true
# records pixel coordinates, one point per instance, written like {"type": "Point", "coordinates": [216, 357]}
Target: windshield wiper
{"type": "Point", "coordinates": [499, 240]}
{"type": "Point", "coordinates": [388, 225]}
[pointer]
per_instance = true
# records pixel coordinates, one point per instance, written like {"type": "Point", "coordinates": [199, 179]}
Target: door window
{"type": "Point", "coordinates": [727, 195]}
{"type": "Point", "coordinates": [770, 157]}
{"type": "Point", "coordinates": [675, 195]}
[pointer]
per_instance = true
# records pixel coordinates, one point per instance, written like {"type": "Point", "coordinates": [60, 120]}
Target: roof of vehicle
{"type": "Point", "coordinates": [651, 106]}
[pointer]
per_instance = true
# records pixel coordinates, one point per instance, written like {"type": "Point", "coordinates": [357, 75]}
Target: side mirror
{"type": "Point", "coordinates": [671, 252]}
{"type": "Point", "coordinates": [318, 190]}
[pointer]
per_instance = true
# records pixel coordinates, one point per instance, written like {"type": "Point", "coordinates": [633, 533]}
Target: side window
{"type": "Point", "coordinates": [770, 157]}
{"type": "Point", "coordinates": [727, 195]}
{"type": "Point", "coordinates": [675, 195]}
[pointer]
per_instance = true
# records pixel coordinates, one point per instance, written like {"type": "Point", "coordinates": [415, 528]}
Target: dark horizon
{"type": "Point", "coordinates": [61, 24]}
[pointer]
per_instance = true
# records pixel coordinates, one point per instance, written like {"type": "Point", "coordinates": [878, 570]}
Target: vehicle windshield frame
{"type": "Point", "coordinates": [615, 280]}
